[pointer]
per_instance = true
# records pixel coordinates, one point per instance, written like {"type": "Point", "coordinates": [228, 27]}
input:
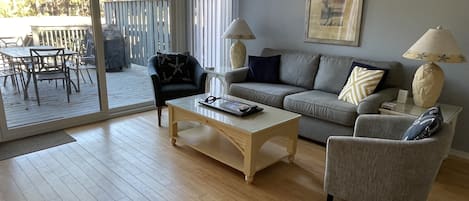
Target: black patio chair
{"type": "Point", "coordinates": [49, 64]}
{"type": "Point", "coordinates": [86, 60]}
{"type": "Point", "coordinates": [175, 76]}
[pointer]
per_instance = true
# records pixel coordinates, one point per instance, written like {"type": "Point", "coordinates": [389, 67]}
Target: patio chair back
{"type": "Point", "coordinates": [8, 69]}
{"type": "Point", "coordinates": [50, 60]}
{"type": "Point", "coordinates": [49, 64]}
{"type": "Point", "coordinates": [86, 60]}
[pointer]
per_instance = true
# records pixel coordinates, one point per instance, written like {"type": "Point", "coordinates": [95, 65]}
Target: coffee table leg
{"type": "Point", "coordinates": [291, 147]}
{"type": "Point", "coordinates": [173, 126]}
{"type": "Point", "coordinates": [249, 179]}
{"type": "Point", "coordinates": [250, 155]}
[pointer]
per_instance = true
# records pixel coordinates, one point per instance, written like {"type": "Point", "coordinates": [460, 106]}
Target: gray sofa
{"type": "Point", "coordinates": [309, 85]}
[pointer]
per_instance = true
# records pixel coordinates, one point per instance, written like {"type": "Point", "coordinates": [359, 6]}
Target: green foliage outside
{"type": "Point", "coordinates": [23, 8]}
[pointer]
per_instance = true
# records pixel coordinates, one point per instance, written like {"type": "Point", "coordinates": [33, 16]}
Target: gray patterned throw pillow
{"type": "Point", "coordinates": [173, 68]}
{"type": "Point", "coordinates": [426, 125]}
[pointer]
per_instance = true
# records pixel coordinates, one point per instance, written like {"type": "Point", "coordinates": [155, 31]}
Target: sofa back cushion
{"type": "Point", "coordinates": [394, 75]}
{"type": "Point", "coordinates": [296, 68]}
{"type": "Point", "coordinates": [332, 73]}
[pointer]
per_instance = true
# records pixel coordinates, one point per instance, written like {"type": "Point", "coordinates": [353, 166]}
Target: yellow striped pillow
{"type": "Point", "coordinates": [361, 83]}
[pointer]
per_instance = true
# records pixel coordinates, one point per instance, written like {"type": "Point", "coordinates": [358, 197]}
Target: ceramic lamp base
{"type": "Point", "coordinates": [427, 85]}
{"type": "Point", "coordinates": [238, 54]}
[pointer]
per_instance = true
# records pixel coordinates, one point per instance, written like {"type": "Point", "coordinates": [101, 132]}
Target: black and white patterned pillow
{"type": "Point", "coordinates": [426, 125]}
{"type": "Point", "coordinates": [173, 68]}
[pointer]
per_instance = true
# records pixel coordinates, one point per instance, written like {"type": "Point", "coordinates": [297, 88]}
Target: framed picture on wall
{"type": "Point", "coordinates": [333, 21]}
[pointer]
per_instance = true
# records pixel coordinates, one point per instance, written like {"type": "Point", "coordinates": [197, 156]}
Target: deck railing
{"type": "Point", "coordinates": [145, 23]}
{"type": "Point", "coordinates": [68, 36]}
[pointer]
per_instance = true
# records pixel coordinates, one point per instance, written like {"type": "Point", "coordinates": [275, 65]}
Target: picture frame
{"type": "Point", "coordinates": [333, 21]}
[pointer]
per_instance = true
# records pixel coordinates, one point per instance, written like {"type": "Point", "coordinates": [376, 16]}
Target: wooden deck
{"type": "Point", "coordinates": [129, 87]}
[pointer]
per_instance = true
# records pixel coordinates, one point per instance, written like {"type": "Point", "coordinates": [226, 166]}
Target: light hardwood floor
{"type": "Point", "coordinates": [130, 158]}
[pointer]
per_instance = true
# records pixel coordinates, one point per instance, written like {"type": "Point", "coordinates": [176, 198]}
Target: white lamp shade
{"type": "Point", "coordinates": [436, 45]}
{"type": "Point", "coordinates": [239, 29]}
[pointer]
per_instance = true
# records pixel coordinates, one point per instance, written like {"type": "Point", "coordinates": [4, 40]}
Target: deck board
{"type": "Point", "coordinates": [129, 87]}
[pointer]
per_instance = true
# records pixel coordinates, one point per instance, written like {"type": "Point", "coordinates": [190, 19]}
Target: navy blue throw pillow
{"type": "Point", "coordinates": [264, 69]}
{"type": "Point", "coordinates": [426, 125]}
{"type": "Point", "coordinates": [369, 67]}
{"type": "Point", "coordinates": [173, 68]}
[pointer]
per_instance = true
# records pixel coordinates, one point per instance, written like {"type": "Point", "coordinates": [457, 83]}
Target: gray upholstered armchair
{"type": "Point", "coordinates": [375, 164]}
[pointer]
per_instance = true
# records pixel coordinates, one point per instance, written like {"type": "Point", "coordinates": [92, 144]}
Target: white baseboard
{"type": "Point", "coordinates": [460, 154]}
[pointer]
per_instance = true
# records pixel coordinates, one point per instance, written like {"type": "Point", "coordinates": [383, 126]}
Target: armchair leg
{"type": "Point", "coordinates": [159, 115]}
{"type": "Point", "coordinates": [330, 197]}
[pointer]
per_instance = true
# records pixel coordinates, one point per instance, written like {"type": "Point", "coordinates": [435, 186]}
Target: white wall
{"type": "Point", "coordinates": [389, 28]}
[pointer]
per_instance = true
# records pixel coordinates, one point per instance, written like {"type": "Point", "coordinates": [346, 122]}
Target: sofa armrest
{"type": "Point", "coordinates": [238, 75]}
{"type": "Point", "coordinates": [382, 126]}
{"type": "Point", "coordinates": [371, 104]}
{"type": "Point", "coordinates": [377, 169]}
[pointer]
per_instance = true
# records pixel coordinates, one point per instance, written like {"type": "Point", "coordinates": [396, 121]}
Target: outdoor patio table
{"type": "Point", "coordinates": [22, 54]}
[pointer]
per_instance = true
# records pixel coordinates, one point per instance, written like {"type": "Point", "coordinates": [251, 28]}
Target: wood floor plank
{"type": "Point", "coordinates": [52, 175]}
{"type": "Point", "coordinates": [130, 158]}
{"type": "Point", "coordinates": [41, 184]}
{"type": "Point", "coordinates": [9, 189]}
{"type": "Point", "coordinates": [92, 173]}
{"type": "Point", "coordinates": [10, 168]}
{"type": "Point", "coordinates": [64, 175]}
{"type": "Point", "coordinates": [97, 192]}
{"type": "Point", "coordinates": [144, 176]}
{"type": "Point", "coordinates": [117, 180]}
{"type": "Point", "coordinates": [127, 171]}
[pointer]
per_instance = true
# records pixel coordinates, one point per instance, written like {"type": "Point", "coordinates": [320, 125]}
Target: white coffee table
{"type": "Point", "coordinates": [240, 142]}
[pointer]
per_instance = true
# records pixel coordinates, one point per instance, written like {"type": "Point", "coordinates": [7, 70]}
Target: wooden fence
{"type": "Point", "coordinates": [68, 36]}
{"type": "Point", "coordinates": [145, 24]}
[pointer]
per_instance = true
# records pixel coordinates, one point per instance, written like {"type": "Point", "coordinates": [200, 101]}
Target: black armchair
{"type": "Point", "coordinates": [167, 89]}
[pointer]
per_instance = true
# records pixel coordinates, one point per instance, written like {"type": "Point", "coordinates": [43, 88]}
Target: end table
{"type": "Point", "coordinates": [217, 73]}
{"type": "Point", "coordinates": [450, 112]}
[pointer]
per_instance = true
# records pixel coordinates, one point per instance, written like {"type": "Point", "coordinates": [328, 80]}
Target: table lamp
{"type": "Point", "coordinates": [436, 45]}
{"type": "Point", "coordinates": [238, 29]}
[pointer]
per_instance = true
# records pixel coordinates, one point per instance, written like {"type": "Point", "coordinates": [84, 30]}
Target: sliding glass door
{"type": "Point", "coordinates": [105, 47]}
{"type": "Point", "coordinates": [134, 31]}
{"type": "Point", "coordinates": [31, 94]}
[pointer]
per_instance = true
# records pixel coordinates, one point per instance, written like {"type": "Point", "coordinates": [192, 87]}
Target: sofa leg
{"type": "Point", "coordinates": [330, 197]}
{"type": "Point", "coordinates": [159, 115]}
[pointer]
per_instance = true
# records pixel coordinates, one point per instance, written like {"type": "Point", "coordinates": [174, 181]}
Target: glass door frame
{"type": "Point", "coordinates": [7, 134]}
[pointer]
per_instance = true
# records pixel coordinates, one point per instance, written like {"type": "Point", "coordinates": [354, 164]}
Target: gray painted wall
{"type": "Point", "coordinates": [389, 28]}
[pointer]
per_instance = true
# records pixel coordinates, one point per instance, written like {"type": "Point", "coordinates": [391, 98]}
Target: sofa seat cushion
{"type": "Point", "coordinates": [265, 93]}
{"type": "Point", "coordinates": [322, 105]}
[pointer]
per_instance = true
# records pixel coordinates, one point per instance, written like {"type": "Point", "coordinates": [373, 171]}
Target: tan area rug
{"type": "Point", "coordinates": [34, 143]}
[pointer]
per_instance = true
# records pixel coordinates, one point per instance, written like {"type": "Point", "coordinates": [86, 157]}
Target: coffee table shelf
{"type": "Point", "coordinates": [208, 141]}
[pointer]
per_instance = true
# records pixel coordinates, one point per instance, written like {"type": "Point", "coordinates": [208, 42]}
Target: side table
{"type": "Point", "coordinates": [217, 73]}
{"type": "Point", "coordinates": [450, 112]}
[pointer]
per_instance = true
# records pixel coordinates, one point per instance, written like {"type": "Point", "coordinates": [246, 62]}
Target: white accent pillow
{"type": "Point", "coordinates": [361, 83]}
